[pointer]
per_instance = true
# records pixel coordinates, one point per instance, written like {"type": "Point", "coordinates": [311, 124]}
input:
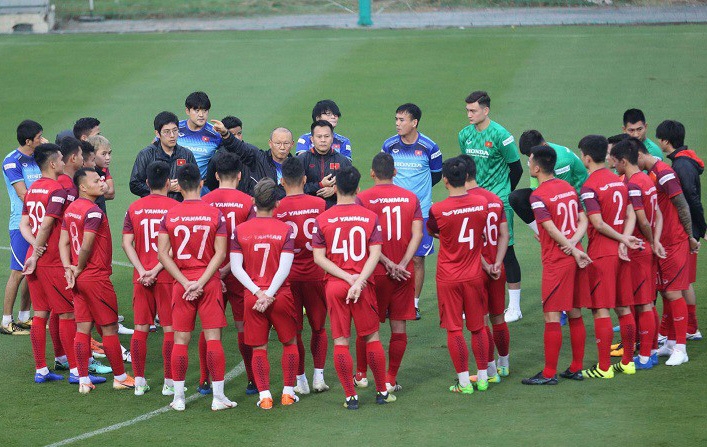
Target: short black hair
{"type": "Point", "coordinates": [322, 123]}
{"type": "Point", "coordinates": [189, 177]}
{"type": "Point", "coordinates": [479, 96]}
{"type": "Point", "coordinates": [27, 130]}
{"type": "Point", "coordinates": [265, 194]}
{"type": "Point", "coordinates": [347, 180]}
{"type": "Point", "coordinates": [672, 131]}
{"type": "Point", "coordinates": [83, 126]}
{"type": "Point", "coordinates": [292, 170]}
{"type": "Point", "coordinates": [595, 146]}
{"type": "Point", "coordinates": [44, 154]}
{"type": "Point", "coordinates": [454, 170]}
{"type": "Point", "coordinates": [383, 166]}
{"type": "Point", "coordinates": [157, 174]}
{"type": "Point", "coordinates": [528, 140]}
{"type": "Point", "coordinates": [231, 121]}
{"type": "Point", "coordinates": [69, 146]}
{"type": "Point", "coordinates": [324, 106]}
{"type": "Point", "coordinates": [412, 110]}
{"type": "Point", "coordinates": [545, 157]}
{"type": "Point", "coordinates": [198, 100]}
{"type": "Point", "coordinates": [227, 165]}
{"type": "Point", "coordinates": [81, 174]}
{"type": "Point", "coordinates": [470, 166]}
{"type": "Point", "coordinates": [164, 118]}
{"type": "Point", "coordinates": [618, 137]}
{"type": "Point", "coordinates": [87, 149]}
{"type": "Point", "coordinates": [633, 116]}
{"type": "Point", "coordinates": [625, 150]}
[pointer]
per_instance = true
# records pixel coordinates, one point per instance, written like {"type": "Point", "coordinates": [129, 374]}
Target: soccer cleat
{"type": "Point", "coordinates": [616, 328]}
{"type": "Point", "coordinates": [503, 371]}
{"type": "Point", "coordinates": [319, 386]}
{"type": "Point", "coordinates": [97, 349]}
{"type": "Point", "coordinates": [169, 390]}
{"type": "Point", "coordinates": [665, 351]}
{"type": "Point", "coordinates": [654, 359]}
{"type": "Point", "coordinates": [510, 315]}
{"type": "Point", "coordinates": [577, 375]}
{"type": "Point", "coordinates": [457, 388]}
{"type": "Point", "coordinates": [385, 398]}
{"type": "Point", "coordinates": [127, 384]}
{"type": "Point", "coordinates": [662, 339]}
{"type": "Point", "coordinates": [97, 367]}
{"type": "Point", "coordinates": [251, 389]}
{"type": "Point", "coordinates": [289, 399]}
{"type": "Point", "coordinates": [74, 379]}
{"type": "Point", "coordinates": [696, 336]}
{"type": "Point", "coordinates": [417, 313]}
{"type": "Point", "coordinates": [122, 330]}
{"type": "Point", "coordinates": [493, 379]}
{"type": "Point", "coordinates": [678, 357]}
{"type": "Point", "coordinates": [617, 350]}
{"type": "Point", "coordinates": [61, 366]}
{"type": "Point", "coordinates": [539, 379]}
{"type": "Point", "coordinates": [360, 380]}
{"type": "Point", "coordinates": [626, 369]}
{"type": "Point", "coordinates": [222, 403]}
{"type": "Point", "coordinates": [13, 329]}
{"type": "Point", "coordinates": [597, 373]}
{"type": "Point", "coordinates": [127, 357]}
{"type": "Point", "coordinates": [205, 387]}
{"type": "Point", "coordinates": [265, 403]}
{"type": "Point", "coordinates": [48, 377]}
{"type": "Point", "coordinates": [153, 328]}
{"type": "Point", "coordinates": [85, 388]}
{"type": "Point", "coordinates": [351, 403]}
{"type": "Point", "coordinates": [302, 386]}
{"type": "Point", "coordinates": [178, 404]}
{"type": "Point", "coordinates": [390, 388]}
{"type": "Point", "coordinates": [483, 385]}
{"type": "Point", "coordinates": [26, 325]}
{"type": "Point", "coordinates": [563, 319]}
{"type": "Point", "coordinates": [141, 389]}
{"type": "Point", "coordinates": [639, 365]}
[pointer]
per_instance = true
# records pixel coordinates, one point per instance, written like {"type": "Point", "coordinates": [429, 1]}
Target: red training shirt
{"type": "Point", "coordinates": [82, 216]}
{"type": "Point", "coordinates": [299, 212]}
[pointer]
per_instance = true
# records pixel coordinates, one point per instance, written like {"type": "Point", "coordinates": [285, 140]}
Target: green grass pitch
{"type": "Point", "coordinates": [566, 82]}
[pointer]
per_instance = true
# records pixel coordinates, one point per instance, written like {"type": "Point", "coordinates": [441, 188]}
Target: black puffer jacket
{"type": "Point", "coordinates": [688, 166]}
{"type": "Point", "coordinates": [154, 152]}
{"type": "Point", "coordinates": [317, 166]}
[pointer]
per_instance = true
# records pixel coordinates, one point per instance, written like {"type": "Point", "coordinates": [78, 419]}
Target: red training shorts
{"type": "Point", "coordinates": [496, 291]}
{"type": "Point", "coordinates": [674, 269]}
{"type": "Point", "coordinates": [692, 265]}
{"type": "Point", "coordinates": [47, 290]}
{"type": "Point", "coordinates": [643, 274]}
{"type": "Point", "coordinates": [558, 286]}
{"type": "Point", "coordinates": [234, 296]}
{"type": "Point", "coordinates": [95, 301]}
{"type": "Point", "coordinates": [280, 314]}
{"type": "Point", "coordinates": [624, 285]}
{"type": "Point", "coordinates": [312, 296]}
{"type": "Point", "coordinates": [602, 282]}
{"type": "Point", "coordinates": [463, 297]}
{"type": "Point", "coordinates": [364, 311]}
{"type": "Point", "coordinates": [149, 301]}
{"type": "Point", "coordinates": [209, 306]}
{"type": "Point", "coordinates": [395, 299]}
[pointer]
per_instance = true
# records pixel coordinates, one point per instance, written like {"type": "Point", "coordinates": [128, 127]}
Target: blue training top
{"type": "Point", "coordinates": [18, 167]}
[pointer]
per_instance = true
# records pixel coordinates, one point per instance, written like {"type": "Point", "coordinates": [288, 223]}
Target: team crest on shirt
{"type": "Point", "coordinates": [418, 153]}
{"type": "Point", "coordinates": [395, 151]}
{"type": "Point", "coordinates": [334, 220]}
{"type": "Point", "coordinates": [181, 162]}
{"type": "Point", "coordinates": [174, 219]}
{"type": "Point", "coordinates": [205, 139]}
{"type": "Point", "coordinates": [488, 144]}
{"type": "Point", "coordinates": [334, 166]}
{"type": "Point", "coordinates": [336, 147]}
{"type": "Point", "coordinates": [138, 212]}
{"type": "Point", "coordinates": [280, 216]}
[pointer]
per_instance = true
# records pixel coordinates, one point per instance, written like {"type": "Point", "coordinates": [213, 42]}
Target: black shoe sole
{"type": "Point", "coordinates": [572, 376]}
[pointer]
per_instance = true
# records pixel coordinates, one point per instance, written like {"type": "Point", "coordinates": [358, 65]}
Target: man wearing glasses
{"type": "Point", "coordinates": [164, 148]}
{"type": "Point", "coordinates": [327, 110]}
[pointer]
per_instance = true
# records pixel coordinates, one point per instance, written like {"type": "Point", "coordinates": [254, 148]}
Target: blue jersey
{"type": "Point", "coordinates": [415, 164]}
{"type": "Point", "coordinates": [341, 144]}
{"type": "Point", "coordinates": [18, 167]}
{"type": "Point", "coordinates": [202, 143]}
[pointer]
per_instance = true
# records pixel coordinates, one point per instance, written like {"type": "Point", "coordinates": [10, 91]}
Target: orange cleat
{"type": "Point", "coordinates": [289, 399]}
{"type": "Point", "coordinates": [265, 403]}
{"type": "Point", "coordinates": [127, 384]}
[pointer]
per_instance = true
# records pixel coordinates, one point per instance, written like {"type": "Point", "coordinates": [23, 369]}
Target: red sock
{"type": "Point", "coordinates": [376, 360]}
{"type": "Point", "coordinates": [261, 369]}
{"type": "Point", "coordinates": [319, 345]}
{"type": "Point", "coordinates": [396, 350]}
{"type": "Point", "coordinates": [578, 338]}
{"type": "Point", "coordinates": [58, 344]}
{"type": "Point", "coordinates": [678, 309]}
{"type": "Point", "coordinates": [82, 349]}
{"type": "Point", "coordinates": [627, 323]}
{"type": "Point", "coordinates": [501, 338]}
{"type": "Point", "coordinates": [138, 351]}
{"type": "Point", "coordinates": [203, 367]}
{"type": "Point", "coordinates": [247, 354]}
{"type": "Point", "coordinates": [647, 322]}
{"type": "Point", "coordinates": [666, 320]}
{"type": "Point", "coordinates": [492, 348]}
{"type": "Point", "coordinates": [458, 351]}
{"type": "Point", "coordinates": [111, 346]}
{"type": "Point", "coordinates": [635, 312]}
{"type": "Point", "coordinates": [361, 361]}
{"type": "Point", "coordinates": [300, 353]}
{"type": "Point", "coordinates": [553, 343]}
{"type": "Point", "coordinates": [216, 360]}
{"type": "Point", "coordinates": [67, 332]}
{"type": "Point", "coordinates": [290, 362]}
{"type": "Point", "coordinates": [480, 346]}
{"type": "Point", "coordinates": [100, 332]}
{"type": "Point", "coordinates": [38, 337]}
{"type": "Point", "coordinates": [691, 319]}
{"type": "Point", "coordinates": [343, 363]}
{"type": "Point", "coordinates": [604, 334]}
{"type": "Point", "coordinates": [656, 319]}
{"type": "Point", "coordinates": [180, 362]}
{"type": "Point", "coordinates": [167, 348]}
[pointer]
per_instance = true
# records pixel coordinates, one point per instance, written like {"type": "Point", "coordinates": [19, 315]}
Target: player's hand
{"type": "Point", "coordinates": [149, 278]}
{"type": "Point", "coordinates": [77, 271]}
{"type": "Point", "coordinates": [631, 242]}
{"type": "Point", "coordinates": [39, 250]}
{"type": "Point", "coordinates": [581, 257]}
{"type": "Point", "coordinates": [623, 253]}
{"type": "Point", "coordinates": [30, 265]}
{"type": "Point", "coordinates": [694, 245]}
{"type": "Point", "coordinates": [224, 272]}
{"type": "Point", "coordinates": [263, 301]}
{"type": "Point", "coordinates": [659, 250]}
{"type": "Point", "coordinates": [220, 128]}
{"type": "Point", "coordinates": [192, 290]}
{"type": "Point", "coordinates": [354, 293]}
{"type": "Point", "coordinates": [402, 273]}
{"type": "Point", "coordinates": [174, 185]}
{"type": "Point", "coordinates": [536, 236]}
{"type": "Point", "coordinates": [329, 180]}
{"type": "Point", "coordinates": [326, 191]}
{"type": "Point", "coordinates": [70, 278]}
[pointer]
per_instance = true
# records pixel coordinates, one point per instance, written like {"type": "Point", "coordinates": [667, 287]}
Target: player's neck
{"type": "Point", "coordinates": [192, 195]}
{"type": "Point", "coordinates": [542, 178]}
{"type": "Point", "coordinates": [410, 138]}
{"type": "Point", "coordinates": [668, 150]}
{"type": "Point", "coordinates": [630, 170]}
{"type": "Point", "coordinates": [193, 127]}
{"type": "Point", "coordinates": [377, 181]}
{"type": "Point", "coordinates": [50, 174]}
{"type": "Point", "coordinates": [227, 185]}
{"type": "Point", "coordinates": [593, 167]}
{"type": "Point", "coordinates": [651, 162]}
{"type": "Point", "coordinates": [26, 150]}
{"type": "Point", "coordinates": [471, 184]}
{"type": "Point", "coordinates": [345, 200]}
{"type": "Point", "coordinates": [167, 150]}
{"type": "Point", "coordinates": [483, 124]}
{"type": "Point", "coordinates": [87, 197]}
{"type": "Point", "coordinates": [267, 213]}
{"type": "Point", "coordinates": [294, 191]}
{"type": "Point", "coordinates": [456, 192]}
{"type": "Point", "coordinates": [69, 171]}
{"type": "Point", "coordinates": [158, 192]}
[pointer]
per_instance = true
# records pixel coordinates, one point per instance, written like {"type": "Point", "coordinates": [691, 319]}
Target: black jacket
{"type": "Point", "coordinates": [688, 166]}
{"type": "Point", "coordinates": [154, 152]}
{"type": "Point", "coordinates": [317, 166]}
{"type": "Point", "coordinates": [258, 164]}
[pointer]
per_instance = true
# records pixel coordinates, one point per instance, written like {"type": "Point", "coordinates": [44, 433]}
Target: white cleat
{"type": "Point", "coordinates": [179, 404]}
{"type": "Point", "coordinates": [665, 351]}
{"type": "Point", "coordinates": [122, 330]}
{"type": "Point", "coordinates": [222, 403]}
{"type": "Point", "coordinates": [85, 388]}
{"type": "Point", "coordinates": [391, 388]}
{"type": "Point", "coordinates": [510, 315]}
{"type": "Point", "coordinates": [320, 386]}
{"type": "Point", "coordinates": [696, 336]}
{"type": "Point", "coordinates": [662, 339]}
{"type": "Point", "coordinates": [677, 358]}
{"type": "Point", "coordinates": [363, 383]}
{"type": "Point", "coordinates": [167, 390]}
{"type": "Point", "coordinates": [302, 386]}
{"type": "Point", "coordinates": [140, 390]}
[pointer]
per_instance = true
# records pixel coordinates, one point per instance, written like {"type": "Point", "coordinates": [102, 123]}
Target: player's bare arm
{"type": "Point", "coordinates": [581, 257]}
{"type": "Point", "coordinates": [629, 227]}
{"type": "Point", "coordinates": [328, 266]}
{"type": "Point", "coordinates": [644, 225]}
{"type": "Point", "coordinates": [164, 254]}
{"type": "Point", "coordinates": [374, 252]}
{"type": "Point", "coordinates": [220, 247]}
{"type": "Point", "coordinates": [606, 230]}
{"type": "Point", "coordinates": [658, 248]}
{"type": "Point", "coordinates": [20, 189]}
{"type": "Point", "coordinates": [685, 219]}
{"type": "Point", "coordinates": [110, 190]}
{"type": "Point", "coordinates": [65, 255]}
{"type": "Point", "coordinates": [130, 252]}
{"type": "Point", "coordinates": [85, 252]}
{"type": "Point", "coordinates": [504, 237]}
{"type": "Point", "coordinates": [403, 274]}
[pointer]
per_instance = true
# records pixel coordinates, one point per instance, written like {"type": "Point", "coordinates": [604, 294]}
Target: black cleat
{"type": "Point", "coordinates": [572, 375]}
{"type": "Point", "coordinates": [539, 379]}
{"type": "Point", "coordinates": [251, 389]}
{"type": "Point", "coordinates": [351, 403]}
{"type": "Point", "coordinates": [417, 313]}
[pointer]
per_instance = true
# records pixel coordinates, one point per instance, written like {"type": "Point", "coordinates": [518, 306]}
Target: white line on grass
{"type": "Point", "coordinates": [118, 263]}
{"type": "Point", "coordinates": [232, 374]}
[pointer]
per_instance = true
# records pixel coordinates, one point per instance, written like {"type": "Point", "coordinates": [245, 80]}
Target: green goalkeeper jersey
{"type": "Point", "coordinates": [568, 168]}
{"type": "Point", "coordinates": [492, 150]}
{"type": "Point", "coordinates": [653, 149]}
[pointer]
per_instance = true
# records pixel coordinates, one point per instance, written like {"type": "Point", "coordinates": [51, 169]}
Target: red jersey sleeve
{"type": "Point", "coordinates": [163, 225]}
{"type": "Point", "coordinates": [94, 217]}
{"type": "Point", "coordinates": [418, 210]}
{"type": "Point", "coordinates": [635, 196]}
{"type": "Point", "coordinates": [540, 211]}
{"type": "Point", "coordinates": [108, 176]}
{"type": "Point", "coordinates": [289, 246]}
{"type": "Point", "coordinates": [235, 246]}
{"type": "Point", "coordinates": [432, 227]}
{"type": "Point", "coordinates": [251, 214]}
{"type": "Point", "coordinates": [56, 203]}
{"type": "Point", "coordinates": [127, 223]}
{"type": "Point", "coordinates": [221, 228]}
{"type": "Point", "coordinates": [376, 235]}
{"type": "Point", "coordinates": [670, 183]}
{"type": "Point", "coordinates": [317, 236]}
{"type": "Point", "coordinates": [590, 200]}
{"type": "Point", "coordinates": [25, 212]}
